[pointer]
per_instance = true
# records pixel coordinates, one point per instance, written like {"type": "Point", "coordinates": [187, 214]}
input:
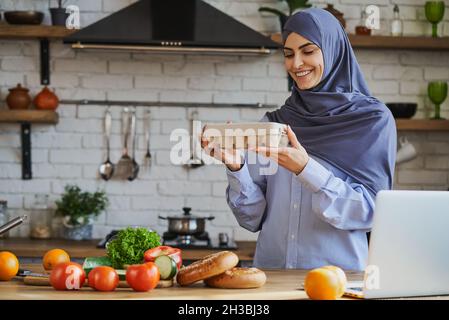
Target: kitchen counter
{"type": "Point", "coordinates": [280, 285]}
{"type": "Point", "coordinates": [23, 247]}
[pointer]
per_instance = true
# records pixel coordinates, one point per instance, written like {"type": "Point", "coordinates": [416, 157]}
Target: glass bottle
{"type": "Point", "coordinates": [4, 217]}
{"type": "Point", "coordinates": [396, 23]}
{"type": "Point", "coordinates": [361, 28]}
{"type": "Point", "coordinates": [41, 219]}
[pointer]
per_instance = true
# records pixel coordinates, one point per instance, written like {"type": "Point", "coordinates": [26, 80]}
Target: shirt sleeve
{"type": "Point", "coordinates": [345, 204]}
{"type": "Point", "coordinates": [245, 198]}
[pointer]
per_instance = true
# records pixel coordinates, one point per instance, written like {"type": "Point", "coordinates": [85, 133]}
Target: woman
{"type": "Point", "coordinates": [317, 208]}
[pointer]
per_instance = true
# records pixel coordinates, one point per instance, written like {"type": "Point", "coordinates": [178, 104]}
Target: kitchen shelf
{"type": "Point", "coordinates": [9, 31]}
{"type": "Point", "coordinates": [25, 118]}
{"type": "Point", "coordinates": [422, 125]}
{"type": "Point", "coordinates": [30, 116]}
{"type": "Point", "coordinates": [388, 42]}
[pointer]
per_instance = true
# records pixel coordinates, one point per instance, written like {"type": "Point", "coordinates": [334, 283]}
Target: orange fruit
{"type": "Point", "coordinates": [325, 283]}
{"type": "Point", "coordinates": [9, 265]}
{"type": "Point", "coordinates": [54, 257]}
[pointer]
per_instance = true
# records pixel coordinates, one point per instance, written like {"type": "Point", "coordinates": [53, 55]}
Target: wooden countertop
{"type": "Point", "coordinates": [23, 247]}
{"type": "Point", "coordinates": [280, 285]}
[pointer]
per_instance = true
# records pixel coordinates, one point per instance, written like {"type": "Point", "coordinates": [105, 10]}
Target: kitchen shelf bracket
{"type": "Point", "coordinates": [25, 136]}
{"type": "Point", "coordinates": [45, 61]}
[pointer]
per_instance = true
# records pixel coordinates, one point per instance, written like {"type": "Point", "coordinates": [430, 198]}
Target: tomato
{"type": "Point", "coordinates": [174, 253]}
{"type": "Point", "coordinates": [9, 265]}
{"type": "Point", "coordinates": [103, 278]}
{"type": "Point", "coordinates": [142, 277]}
{"type": "Point", "coordinates": [54, 257]}
{"type": "Point", "coordinates": [67, 276]}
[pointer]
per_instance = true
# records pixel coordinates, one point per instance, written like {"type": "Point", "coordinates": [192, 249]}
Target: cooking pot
{"type": "Point", "coordinates": [186, 224]}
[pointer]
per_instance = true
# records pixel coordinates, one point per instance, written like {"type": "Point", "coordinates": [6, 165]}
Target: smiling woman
{"type": "Point", "coordinates": [317, 207]}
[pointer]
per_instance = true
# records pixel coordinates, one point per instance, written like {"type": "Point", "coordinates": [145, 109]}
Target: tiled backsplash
{"type": "Point", "coordinates": [71, 151]}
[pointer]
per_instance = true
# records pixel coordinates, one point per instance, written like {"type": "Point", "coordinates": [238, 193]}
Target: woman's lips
{"type": "Point", "coordinates": [303, 73]}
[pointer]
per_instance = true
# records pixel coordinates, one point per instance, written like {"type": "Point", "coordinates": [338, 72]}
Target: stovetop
{"type": "Point", "coordinates": [197, 241]}
{"type": "Point", "coordinates": [213, 244]}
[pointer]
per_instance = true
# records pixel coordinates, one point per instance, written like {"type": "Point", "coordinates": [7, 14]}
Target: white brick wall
{"type": "Point", "coordinates": [71, 151]}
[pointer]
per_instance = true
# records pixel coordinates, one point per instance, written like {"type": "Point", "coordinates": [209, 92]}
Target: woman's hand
{"type": "Point", "coordinates": [232, 158]}
{"type": "Point", "coordinates": [292, 158]}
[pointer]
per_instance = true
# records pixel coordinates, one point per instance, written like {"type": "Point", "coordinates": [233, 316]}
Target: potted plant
{"type": "Point", "coordinates": [78, 210]}
{"type": "Point", "coordinates": [59, 15]}
{"type": "Point", "coordinates": [293, 6]}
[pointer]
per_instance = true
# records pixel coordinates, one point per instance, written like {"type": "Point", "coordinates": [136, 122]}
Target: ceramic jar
{"type": "Point", "coordinates": [46, 100]}
{"type": "Point", "coordinates": [18, 98]}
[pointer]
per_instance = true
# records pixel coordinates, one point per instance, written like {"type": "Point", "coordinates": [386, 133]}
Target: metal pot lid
{"type": "Point", "coordinates": [187, 215]}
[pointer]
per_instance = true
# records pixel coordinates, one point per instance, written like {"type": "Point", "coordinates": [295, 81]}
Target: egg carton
{"type": "Point", "coordinates": [246, 135]}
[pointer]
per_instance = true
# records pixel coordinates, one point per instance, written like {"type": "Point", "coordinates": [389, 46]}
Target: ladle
{"type": "Point", "coordinates": [135, 165]}
{"type": "Point", "coordinates": [107, 168]}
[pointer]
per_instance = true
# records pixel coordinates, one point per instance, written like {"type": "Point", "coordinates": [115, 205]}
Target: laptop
{"type": "Point", "coordinates": [409, 246]}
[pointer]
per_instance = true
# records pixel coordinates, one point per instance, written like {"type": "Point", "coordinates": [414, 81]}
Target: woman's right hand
{"type": "Point", "coordinates": [232, 158]}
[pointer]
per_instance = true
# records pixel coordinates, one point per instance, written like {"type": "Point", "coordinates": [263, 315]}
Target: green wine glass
{"type": "Point", "coordinates": [437, 92]}
{"type": "Point", "coordinates": [434, 14]}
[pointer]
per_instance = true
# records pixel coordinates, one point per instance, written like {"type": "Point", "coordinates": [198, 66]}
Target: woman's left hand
{"type": "Point", "coordinates": [292, 158]}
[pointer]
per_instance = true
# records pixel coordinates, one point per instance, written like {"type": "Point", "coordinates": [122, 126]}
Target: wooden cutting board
{"type": "Point", "coordinates": [45, 281]}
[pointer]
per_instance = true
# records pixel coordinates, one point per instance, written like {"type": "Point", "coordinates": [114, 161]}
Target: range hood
{"type": "Point", "coordinates": [172, 26]}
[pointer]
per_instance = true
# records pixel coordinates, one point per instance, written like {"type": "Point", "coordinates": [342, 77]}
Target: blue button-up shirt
{"type": "Point", "coordinates": [319, 217]}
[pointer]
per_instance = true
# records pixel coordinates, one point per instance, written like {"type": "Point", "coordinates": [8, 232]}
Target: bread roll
{"type": "Point", "coordinates": [238, 278]}
{"type": "Point", "coordinates": [207, 267]}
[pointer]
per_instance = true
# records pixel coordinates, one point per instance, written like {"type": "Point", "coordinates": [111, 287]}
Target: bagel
{"type": "Point", "coordinates": [207, 267]}
{"type": "Point", "coordinates": [238, 278]}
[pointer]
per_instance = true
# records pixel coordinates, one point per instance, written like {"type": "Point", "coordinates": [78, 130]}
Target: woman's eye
{"type": "Point", "coordinates": [309, 52]}
{"type": "Point", "coordinates": [288, 55]}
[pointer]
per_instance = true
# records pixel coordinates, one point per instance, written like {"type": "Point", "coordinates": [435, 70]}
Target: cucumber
{"type": "Point", "coordinates": [92, 262]}
{"type": "Point", "coordinates": [167, 267]}
{"type": "Point", "coordinates": [121, 274]}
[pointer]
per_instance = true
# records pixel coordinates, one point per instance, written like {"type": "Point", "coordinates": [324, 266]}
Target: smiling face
{"type": "Point", "coordinates": [303, 61]}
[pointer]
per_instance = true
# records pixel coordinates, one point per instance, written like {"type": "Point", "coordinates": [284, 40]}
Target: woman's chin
{"type": "Point", "coordinates": [304, 86]}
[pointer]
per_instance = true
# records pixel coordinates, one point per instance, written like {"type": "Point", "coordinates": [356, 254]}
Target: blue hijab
{"type": "Point", "coordinates": [338, 120]}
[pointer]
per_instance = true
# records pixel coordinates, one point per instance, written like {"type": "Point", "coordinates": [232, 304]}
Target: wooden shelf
{"type": "Point", "coordinates": [387, 42]}
{"type": "Point", "coordinates": [29, 116]}
{"type": "Point", "coordinates": [422, 125]}
{"type": "Point", "coordinates": [9, 31]}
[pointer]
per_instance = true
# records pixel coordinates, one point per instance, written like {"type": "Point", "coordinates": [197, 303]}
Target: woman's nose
{"type": "Point", "coordinates": [297, 62]}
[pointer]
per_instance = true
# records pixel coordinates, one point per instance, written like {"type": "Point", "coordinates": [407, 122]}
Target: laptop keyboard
{"type": "Point", "coordinates": [359, 289]}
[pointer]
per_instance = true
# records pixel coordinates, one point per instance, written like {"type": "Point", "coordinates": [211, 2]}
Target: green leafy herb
{"type": "Point", "coordinates": [80, 207]}
{"type": "Point", "coordinates": [130, 245]}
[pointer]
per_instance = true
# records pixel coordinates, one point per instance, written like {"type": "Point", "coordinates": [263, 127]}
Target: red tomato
{"type": "Point", "coordinates": [174, 253]}
{"type": "Point", "coordinates": [103, 278]}
{"type": "Point", "coordinates": [67, 276]}
{"type": "Point", "coordinates": [143, 277]}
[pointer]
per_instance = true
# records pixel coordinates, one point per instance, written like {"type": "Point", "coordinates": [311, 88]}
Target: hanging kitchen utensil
{"type": "Point", "coordinates": [135, 165]}
{"type": "Point", "coordinates": [107, 168]}
{"type": "Point", "coordinates": [147, 138]}
{"type": "Point", "coordinates": [195, 147]}
{"type": "Point", "coordinates": [125, 164]}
